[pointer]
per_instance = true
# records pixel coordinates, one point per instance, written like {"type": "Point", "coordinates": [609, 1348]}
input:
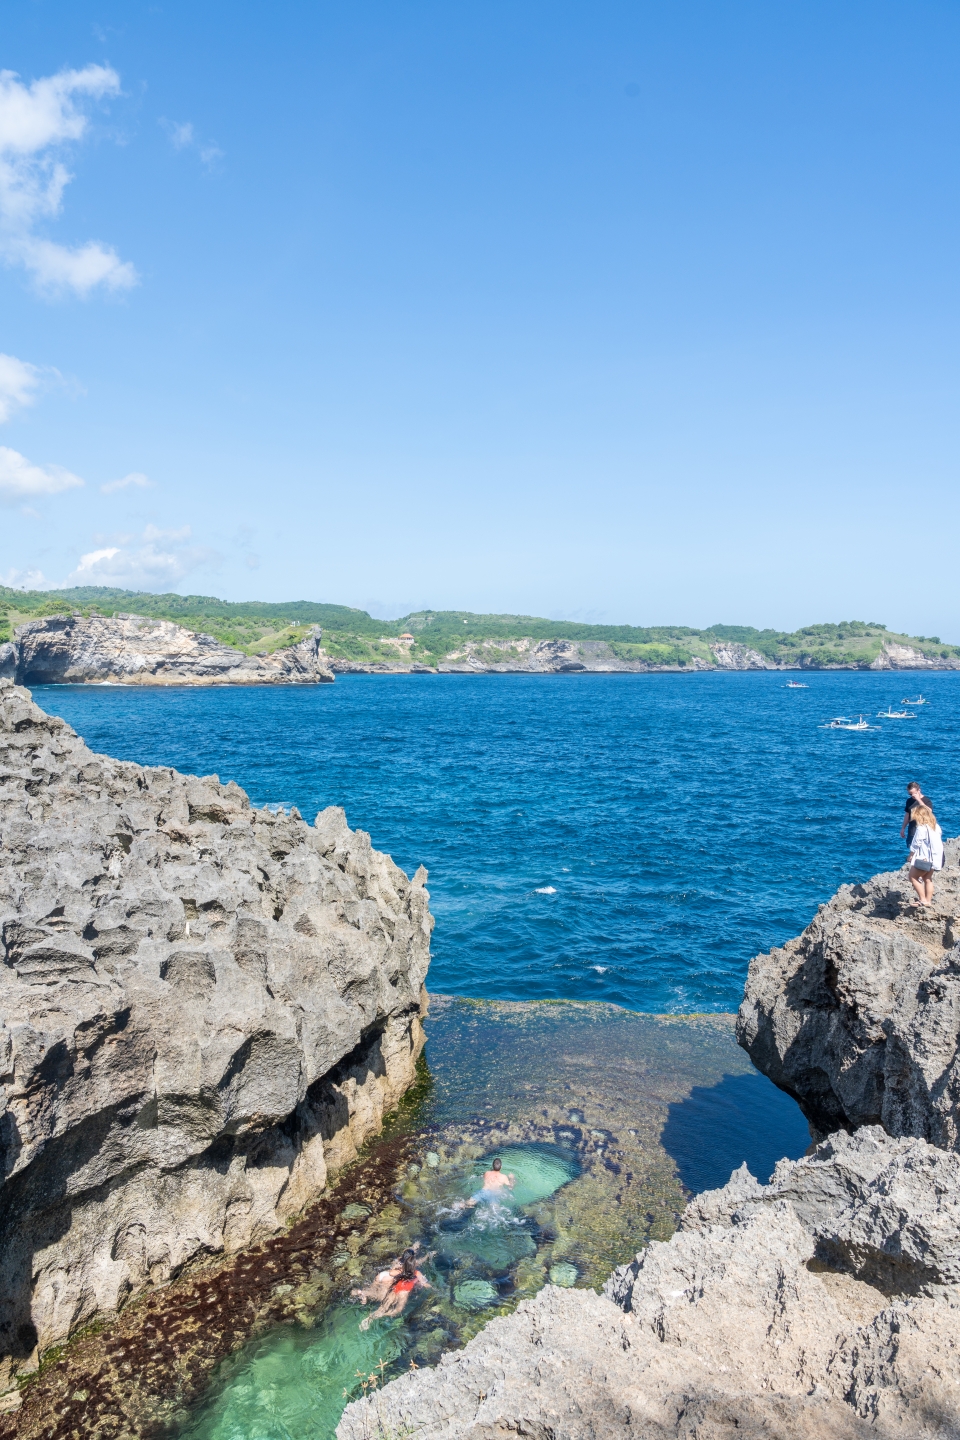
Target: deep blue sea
{"type": "Point", "coordinates": [633, 838]}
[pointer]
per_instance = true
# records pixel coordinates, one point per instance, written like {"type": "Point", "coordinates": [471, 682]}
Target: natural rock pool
{"type": "Point", "coordinates": [607, 1118]}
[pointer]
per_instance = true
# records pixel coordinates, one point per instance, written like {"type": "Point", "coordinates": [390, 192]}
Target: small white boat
{"type": "Point", "coordinates": [889, 714]}
{"type": "Point", "coordinates": [918, 701]}
{"type": "Point", "coordinates": [796, 685]}
{"type": "Point", "coordinates": [842, 723]}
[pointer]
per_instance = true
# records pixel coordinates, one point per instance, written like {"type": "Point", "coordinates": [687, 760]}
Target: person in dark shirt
{"type": "Point", "coordinates": [915, 797]}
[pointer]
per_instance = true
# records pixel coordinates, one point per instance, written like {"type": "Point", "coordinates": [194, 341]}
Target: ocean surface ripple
{"type": "Point", "coordinates": [630, 838]}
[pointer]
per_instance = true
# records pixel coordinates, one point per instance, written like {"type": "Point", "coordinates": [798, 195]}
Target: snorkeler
{"type": "Point", "coordinates": [402, 1286]}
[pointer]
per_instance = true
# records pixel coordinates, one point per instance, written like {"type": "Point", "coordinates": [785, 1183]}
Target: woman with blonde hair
{"type": "Point", "coordinates": [926, 853]}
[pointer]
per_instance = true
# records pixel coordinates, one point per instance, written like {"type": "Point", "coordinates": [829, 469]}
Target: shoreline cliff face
{"type": "Point", "coordinates": [824, 1304]}
{"type": "Point", "coordinates": [527, 656]}
{"type": "Point", "coordinates": [136, 650]}
{"type": "Point", "coordinates": [205, 1010]}
{"type": "Point", "coordinates": [130, 649]}
{"type": "Point", "coordinates": [858, 1018]}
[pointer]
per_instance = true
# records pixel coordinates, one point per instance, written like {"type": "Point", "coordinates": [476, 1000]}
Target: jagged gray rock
{"type": "Point", "coordinates": [822, 1305]}
{"type": "Point", "coordinates": [137, 650]}
{"type": "Point", "coordinates": [859, 1017]}
{"type": "Point", "coordinates": [205, 1008]}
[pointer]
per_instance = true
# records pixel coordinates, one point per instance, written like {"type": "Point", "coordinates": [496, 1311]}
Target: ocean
{"type": "Point", "coordinates": [625, 838]}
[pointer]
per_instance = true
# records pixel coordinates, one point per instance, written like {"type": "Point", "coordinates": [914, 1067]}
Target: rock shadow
{"type": "Point", "coordinates": [718, 1127]}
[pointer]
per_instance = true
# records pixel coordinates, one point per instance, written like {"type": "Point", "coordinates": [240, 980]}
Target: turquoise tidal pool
{"type": "Point", "coordinates": [604, 1120]}
{"type": "Point", "coordinates": [293, 1382]}
{"type": "Point", "coordinates": [632, 838]}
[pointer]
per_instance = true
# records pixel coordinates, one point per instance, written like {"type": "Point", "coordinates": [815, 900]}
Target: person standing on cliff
{"type": "Point", "coordinates": [926, 854]}
{"type": "Point", "coordinates": [915, 797]}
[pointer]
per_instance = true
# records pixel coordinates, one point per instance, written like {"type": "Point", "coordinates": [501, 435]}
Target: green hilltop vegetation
{"type": "Point", "coordinates": [257, 627]}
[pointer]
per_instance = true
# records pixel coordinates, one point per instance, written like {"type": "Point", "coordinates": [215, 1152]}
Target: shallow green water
{"type": "Point", "coordinates": [293, 1383]}
{"type": "Point", "coordinates": [605, 1118]}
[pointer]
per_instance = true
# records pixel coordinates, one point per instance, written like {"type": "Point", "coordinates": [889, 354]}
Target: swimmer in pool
{"type": "Point", "coordinates": [495, 1182]}
{"type": "Point", "coordinates": [381, 1285]}
{"type": "Point", "coordinates": [402, 1286]}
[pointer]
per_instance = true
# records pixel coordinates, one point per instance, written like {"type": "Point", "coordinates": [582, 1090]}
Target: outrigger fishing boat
{"type": "Point", "coordinates": [919, 701]}
{"type": "Point", "coordinates": [840, 722]}
{"type": "Point", "coordinates": [889, 714]}
{"type": "Point", "coordinates": [796, 685]}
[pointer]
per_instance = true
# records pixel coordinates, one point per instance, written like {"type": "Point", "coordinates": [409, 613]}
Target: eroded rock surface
{"type": "Point", "coordinates": [859, 1017]}
{"type": "Point", "coordinates": [204, 1008]}
{"type": "Point", "coordinates": [822, 1305]}
{"type": "Point", "coordinates": [137, 650]}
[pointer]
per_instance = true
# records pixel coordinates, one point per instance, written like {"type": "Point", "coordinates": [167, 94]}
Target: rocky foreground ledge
{"type": "Point", "coordinates": [204, 1010]}
{"type": "Point", "coordinates": [823, 1306]}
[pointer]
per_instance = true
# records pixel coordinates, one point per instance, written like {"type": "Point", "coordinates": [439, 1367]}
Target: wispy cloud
{"type": "Point", "coordinates": [155, 560]}
{"type": "Point", "coordinates": [180, 135]}
{"type": "Point", "coordinates": [132, 481]}
{"type": "Point", "coordinates": [18, 385]}
{"type": "Point", "coordinates": [36, 121]}
{"type": "Point", "coordinates": [20, 480]}
{"type": "Point", "coordinates": [23, 579]}
{"type": "Point", "coordinates": [184, 137]}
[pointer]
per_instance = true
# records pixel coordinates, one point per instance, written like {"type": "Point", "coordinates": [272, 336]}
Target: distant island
{"type": "Point", "coordinates": [301, 641]}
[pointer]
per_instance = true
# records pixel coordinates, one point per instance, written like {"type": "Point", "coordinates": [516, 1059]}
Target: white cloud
{"type": "Point", "coordinates": [18, 384]}
{"type": "Point", "coordinates": [134, 479]}
{"type": "Point", "coordinates": [23, 579]}
{"type": "Point", "coordinates": [20, 480]}
{"type": "Point", "coordinates": [180, 135]}
{"type": "Point", "coordinates": [33, 120]}
{"type": "Point", "coordinates": [183, 137]}
{"type": "Point", "coordinates": [156, 560]}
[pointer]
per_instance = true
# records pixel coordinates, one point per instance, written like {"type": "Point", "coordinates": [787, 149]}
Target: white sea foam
{"type": "Point", "coordinates": [546, 890]}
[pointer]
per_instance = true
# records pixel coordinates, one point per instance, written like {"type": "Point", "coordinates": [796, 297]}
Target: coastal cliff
{"type": "Point", "coordinates": [252, 642]}
{"type": "Point", "coordinates": [205, 1010]}
{"type": "Point", "coordinates": [859, 1017]}
{"type": "Point", "coordinates": [824, 1304]}
{"type": "Point", "coordinates": [138, 650]}
{"type": "Point", "coordinates": [525, 655]}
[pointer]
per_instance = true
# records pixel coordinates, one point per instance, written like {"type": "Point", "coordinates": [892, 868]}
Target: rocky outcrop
{"type": "Point", "coordinates": [204, 1007]}
{"type": "Point", "coordinates": [136, 650]}
{"type": "Point", "coordinates": [523, 656]}
{"type": "Point", "coordinates": [859, 1017]}
{"type": "Point", "coordinates": [907, 657]}
{"type": "Point", "coordinates": [825, 1304]}
{"type": "Point", "coordinates": [731, 656]}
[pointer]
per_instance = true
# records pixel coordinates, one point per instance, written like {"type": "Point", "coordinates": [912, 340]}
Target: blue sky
{"type": "Point", "coordinates": [629, 312]}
